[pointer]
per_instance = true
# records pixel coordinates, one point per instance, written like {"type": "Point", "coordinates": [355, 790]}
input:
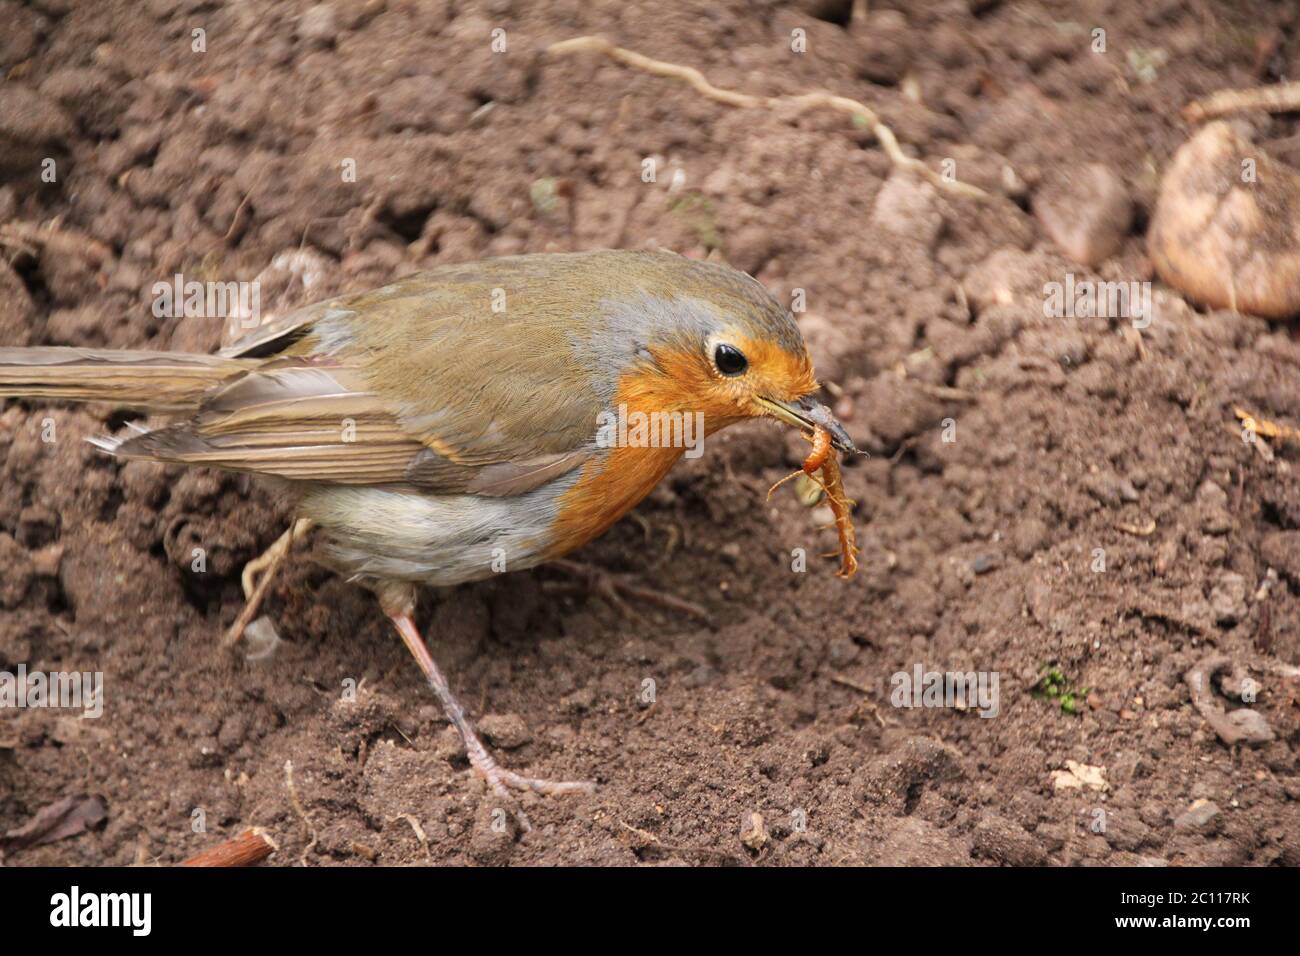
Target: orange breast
{"type": "Point", "coordinates": [610, 487]}
{"type": "Point", "coordinates": [606, 491]}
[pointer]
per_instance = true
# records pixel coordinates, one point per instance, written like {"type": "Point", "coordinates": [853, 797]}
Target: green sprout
{"type": "Point", "coordinates": [1055, 686]}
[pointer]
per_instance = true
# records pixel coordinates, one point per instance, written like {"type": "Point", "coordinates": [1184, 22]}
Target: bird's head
{"type": "Point", "coordinates": [705, 338]}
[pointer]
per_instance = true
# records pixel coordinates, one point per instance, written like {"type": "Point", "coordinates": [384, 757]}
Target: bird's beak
{"type": "Point", "coordinates": [806, 413]}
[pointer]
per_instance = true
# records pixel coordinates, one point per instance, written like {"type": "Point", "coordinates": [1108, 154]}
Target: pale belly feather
{"type": "Point", "coordinates": [374, 533]}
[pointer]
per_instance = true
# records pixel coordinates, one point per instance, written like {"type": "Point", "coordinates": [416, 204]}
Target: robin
{"type": "Point", "coordinates": [467, 420]}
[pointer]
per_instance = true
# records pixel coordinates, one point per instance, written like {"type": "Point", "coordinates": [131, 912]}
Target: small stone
{"type": "Point", "coordinates": [1085, 210]}
{"type": "Point", "coordinates": [999, 279]}
{"type": "Point", "coordinates": [1077, 776]}
{"type": "Point", "coordinates": [506, 731]}
{"type": "Point", "coordinates": [905, 206]}
{"type": "Point", "coordinates": [1251, 726]}
{"type": "Point", "coordinates": [756, 836]}
{"type": "Point", "coordinates": [47, 560]}
{"type": "Point", "coordinates": [1003, 841]}
{"type": "Point", "coordinates": [492, 840]}
{"type": "Point", "coordinates": [885, 42]}
{"type": "Point", "coordinates": [1228, 598]}
{"type": "Point", "coordinates": [1124, 831]}
{"type": "Point", "coordinates": [1039, 600]}
{"type": "Point", "coordinates": [318, 24]}
{"type": "Point", "coordinates": [261, 639]}
{"type": "Point", "coordinates": [1028, 537]}
{"type": "Point", "coordinates": [1226, 227]}
{"type": "Point", "coordinates": [1203, 816]}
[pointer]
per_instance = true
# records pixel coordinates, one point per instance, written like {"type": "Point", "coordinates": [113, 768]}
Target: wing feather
{"type": "Point", "coordinates": [389, 387]}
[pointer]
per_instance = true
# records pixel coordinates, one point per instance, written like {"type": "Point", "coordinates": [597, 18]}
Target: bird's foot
{"type": "Point", "coordinates": [615, 590]}
{"type": "Point", "coordinates": [499, 780]}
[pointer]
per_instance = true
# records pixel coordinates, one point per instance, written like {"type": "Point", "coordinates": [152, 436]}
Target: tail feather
{"type": "Point", "coordinates": [156, 381]}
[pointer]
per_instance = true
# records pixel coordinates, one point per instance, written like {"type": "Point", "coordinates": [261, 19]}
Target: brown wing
{"type": "Point", "coordinates": [299, 422]}
{"type": "Point", "coordinates": [419, 384]}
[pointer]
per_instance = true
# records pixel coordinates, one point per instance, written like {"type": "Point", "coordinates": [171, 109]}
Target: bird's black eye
{"type": "Point", "coordinates": [730, 360]}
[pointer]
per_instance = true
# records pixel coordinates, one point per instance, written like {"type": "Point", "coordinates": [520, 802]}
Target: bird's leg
{"type": "Point", "coordinates": [614, 589]}
{"type": "Point", "coordinates": [499, 780]}
{"type": "Point", "coordinates": [267, 564]}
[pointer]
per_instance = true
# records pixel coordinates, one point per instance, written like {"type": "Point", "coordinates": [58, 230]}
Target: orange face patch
{"type": "Point", "coordinates": [681, 383]}
{"type": "Point", "coordinates": [777, 373]}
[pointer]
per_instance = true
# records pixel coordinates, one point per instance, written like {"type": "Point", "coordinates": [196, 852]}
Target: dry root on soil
{"type": "Point", "coordinates": [805, 101]}
{"type": "Point", "coordinates": [1283, 98]}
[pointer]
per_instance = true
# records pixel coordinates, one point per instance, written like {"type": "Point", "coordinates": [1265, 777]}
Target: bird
{"type": "Point", "coordinates": [463, 421]}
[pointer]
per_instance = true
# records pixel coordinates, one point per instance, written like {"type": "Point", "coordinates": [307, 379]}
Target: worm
{"type": "Point", "coordinates": [842, 508]}
{"type": "Point", "coordinates": [821, 450]}
{"type": "Point", "coordinates": [822, 458]}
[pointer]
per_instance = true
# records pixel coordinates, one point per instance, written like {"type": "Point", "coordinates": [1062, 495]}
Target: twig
{"type": "Point", "coordinates": [251, 846]}
{"type": "Point", "coordinates": [268, 564]}
{"type": "Point", "coordinates": [805, 101]}
{"type": "Point", "coordinates": [850, 682]}
{"type": "Point", "coordinates": [419, 831]}
{"type": "Point", "coordinates": [1282, 98]}
{"type": "Point", "coordinates": [945, 392]}
{"type": "Point", "coordinates": [646, 714]}
{"type": "Point", "coordinates": [1141, 531]}
{"type": "Point", "coordinates": [1262, 426]}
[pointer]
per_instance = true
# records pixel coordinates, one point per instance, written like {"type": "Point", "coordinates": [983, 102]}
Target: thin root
{"type": "Point", "coordinates": [255, 588]}
{"type": "Point", "coordinates": [1282, 98]}
{"type": "Point", "coordinates": [805, 101]}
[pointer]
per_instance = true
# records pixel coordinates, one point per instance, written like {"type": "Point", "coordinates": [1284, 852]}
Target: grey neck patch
{"type": "Point", "coordinates": [627, 327]}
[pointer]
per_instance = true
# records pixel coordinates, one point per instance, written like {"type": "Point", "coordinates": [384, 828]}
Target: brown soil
{"type": "Point", "coordinates": [978, 554]}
